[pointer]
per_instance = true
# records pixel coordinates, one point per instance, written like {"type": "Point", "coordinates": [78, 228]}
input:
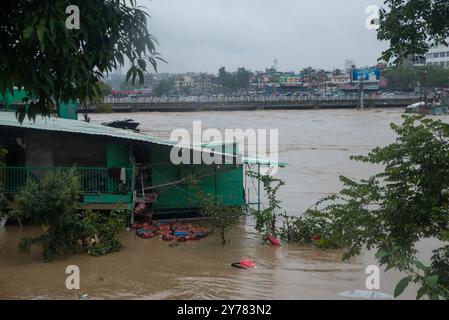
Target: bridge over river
{"type": "Point", "coordinates": [252, 103]}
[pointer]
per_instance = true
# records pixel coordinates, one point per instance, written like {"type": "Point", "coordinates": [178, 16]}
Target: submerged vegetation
{"type": "Point", "coordinates": [266, 218]}
{"type": "Point", "coordinates": [102, 231]}
{"type": "Point", "coordinates": [52, 204]}
{"type": "Point", "coordinates": [221, 217]}
{"type": "Point", "coordinates": [391, 211]}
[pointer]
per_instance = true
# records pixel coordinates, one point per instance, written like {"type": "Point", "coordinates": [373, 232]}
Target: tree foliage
{"type": "Point", "coordinates": [412, 26]}
{"type": "Point", "coordinates": [55, 64]}
{"type": "Point", "coordinates": [221, 217]}
{"type": "Point", "coordinates": [395, 209]}
{"type": "Point", "coordinates": [406, 78]}
{"type": "Point", "coordinates": [103, 231]}
{"type": "Point", "coordinates": [267, 217]}
{"type": "Point", "coordinates": [233, 81]}
{"type": "Point", "coordinates": [52, 203]}
{"type": "Point", "coordinates": [163, 88]}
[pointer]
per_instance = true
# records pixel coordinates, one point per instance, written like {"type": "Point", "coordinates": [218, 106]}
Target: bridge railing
{"type": "Point", "coordinates": [249, 99]}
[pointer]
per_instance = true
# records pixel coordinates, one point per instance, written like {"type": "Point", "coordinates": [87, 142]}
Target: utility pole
{"type": "Point", "coordinates": [361, 92]}
{"type": "Point", "coordinates": [425, 87]}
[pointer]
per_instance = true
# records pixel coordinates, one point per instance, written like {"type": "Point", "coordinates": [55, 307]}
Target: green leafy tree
{"type": "Point", "coordinates": [242, 77]}
{"type": "Point", "coordinates": [437, 77]}
{"type": "Point", "coordinates": [51, 203]}
{"type": "Point", "coordinates": [55, 64]}
{"type": "Point", "coordinates": [411, 27]}
{"type": "Point", "coordinates": [232, 82]}
{"type": "Point", "coordinates": [105, 89]}
{"type": "Point", "coordinates": [395, 209]}
{"type": "Point", "coordinates": [401, 78]}
{"type": "Point", "coordinates": [164, 88]}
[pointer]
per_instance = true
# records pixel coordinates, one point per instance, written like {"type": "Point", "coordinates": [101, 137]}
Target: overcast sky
{"type": "Point", "coordinates": [203, 35]}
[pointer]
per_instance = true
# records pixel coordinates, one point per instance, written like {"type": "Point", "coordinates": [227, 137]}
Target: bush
{"type": "Point", "coordinates": [103, 231]}
{"type": "Point", "coordinates": [395, 209]}
{"type": "Point", "coordinates": [51, 203]}
{"type": "Point", "coordinates": [222, 217]}
{"type": "Point", "coordinates": [266, 218]}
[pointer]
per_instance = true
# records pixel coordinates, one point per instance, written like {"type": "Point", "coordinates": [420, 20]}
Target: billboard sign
{"type": "Point", "coordinates": [290, 80]}
{"type": "Point", "coordinates": [370, 75]}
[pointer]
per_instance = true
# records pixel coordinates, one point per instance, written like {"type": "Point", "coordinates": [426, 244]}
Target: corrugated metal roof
{"type": "Point", "coordinates": [8, 119]}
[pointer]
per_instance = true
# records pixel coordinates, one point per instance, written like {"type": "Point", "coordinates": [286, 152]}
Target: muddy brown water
{"type": "Point", "coordinates": [316, 144]}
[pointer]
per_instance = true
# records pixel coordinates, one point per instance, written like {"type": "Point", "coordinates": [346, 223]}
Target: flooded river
{"type": "Point", "coordinates": [316, 144]}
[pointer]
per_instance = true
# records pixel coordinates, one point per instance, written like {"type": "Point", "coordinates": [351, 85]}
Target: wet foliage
{"type": "Point", "coordinates": [395, 209]}
{"type": "Point", "coordinates": [52, 204]}
{"type": "Point", "coordinates": [221, 217]}
{"type": "Point", "coordinates": [103, 231]}
{"type": "Point", "coordinates": [267, 217]}
{"type": "Point", "coordinates": [390, 212]}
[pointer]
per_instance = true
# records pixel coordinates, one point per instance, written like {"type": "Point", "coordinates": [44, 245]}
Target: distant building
{"type": "Point", "coordinates": [183, 82]}
{"type": "Point", "coordinates": [349, 65]}
{"type": "Point", "coordinates": [340, 79]}
{"type": "Point", "coordinates": [438, 55]}
{"type": "Point", "coordinates": [204, 83]}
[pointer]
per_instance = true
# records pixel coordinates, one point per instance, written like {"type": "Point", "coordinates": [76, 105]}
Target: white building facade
{"type": "Point", "coordinates": [438, 55]}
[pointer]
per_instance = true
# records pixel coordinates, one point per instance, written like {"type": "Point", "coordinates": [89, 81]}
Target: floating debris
{"type": "Point", "coordinates": [170, 232]}
{"type": "Point", "coordinates": [244, 264]}
{"type": "Point", "coordinates": [273, 241]}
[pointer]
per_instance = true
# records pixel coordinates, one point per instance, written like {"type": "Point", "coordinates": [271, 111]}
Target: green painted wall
{"type": "Point", "coordinates": [65, 110]}
{"type": "Point", "coordinates": [7, 99]}
{"type": "Point", "coordinates": [68, 110]}
{"type": "Point", "coordinates": [226, 186]}
{"type": "Point", "coordinates": [118, 155]}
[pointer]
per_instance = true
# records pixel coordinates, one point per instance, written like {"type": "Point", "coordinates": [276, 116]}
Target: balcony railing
{"type": "Point", "coordinates": [92, 180]}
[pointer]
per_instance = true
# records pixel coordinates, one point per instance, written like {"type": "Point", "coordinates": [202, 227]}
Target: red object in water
{"type": "Point", "coordinates": [274, 241]}
{"type": "Point", "coordinates": [316, 237]}
{"type": "Point", "coordinates": [247, 263]}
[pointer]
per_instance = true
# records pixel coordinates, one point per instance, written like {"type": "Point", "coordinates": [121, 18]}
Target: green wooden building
{"type": "Point", "coordinates": [115, 166]}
